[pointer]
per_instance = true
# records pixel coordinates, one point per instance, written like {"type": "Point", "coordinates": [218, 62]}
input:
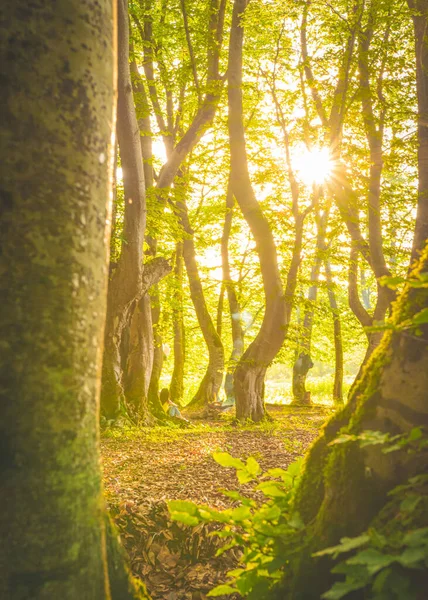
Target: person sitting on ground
{"type": "Point", "coordinates": [169, 407]}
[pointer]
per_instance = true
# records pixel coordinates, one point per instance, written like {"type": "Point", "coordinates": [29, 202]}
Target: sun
{"type": "Point", "coordinates": [312, 166]}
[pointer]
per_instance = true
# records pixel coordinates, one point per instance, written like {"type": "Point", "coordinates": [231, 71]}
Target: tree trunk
{"type": "Point", "coordinates": [57, 136]}
{"type": "Point", "coordinates": [419, 10]}
{"type": "Point", "coordinates": [251, 370]}
{"type": "Point", "coordinates": [154, 400]}
{"type": "Point", "coordinates": [344, 486]}
{"type": "Point", "coordinates": [234, 306]}
{"type": "Point", "coordinates": [211, 383]}
{"type": "Point", "coordinates": [126, 282]}
{"type": "Point", "coordinates": [337, 333]}
{"type": "Point", "coordinates": [304, 362]}
{"type": "Point", "coordinates": [176, 389]}
{"type": "Point", "coordinates": [139, 362]}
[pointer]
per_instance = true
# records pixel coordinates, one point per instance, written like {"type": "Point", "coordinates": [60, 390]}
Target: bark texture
{"type": "Point", "coordinates": [419, 10]}
{"type": "Point", "coordinates": [344, 486]}
{"type": "Point", "coordinates": [125, 286]}
{"type": "Point", "coordinates": [176, 389]}
{"type": "Point", "coordinates": [250, 372]}
{"type": "Point", "coordinates": [58, 83]}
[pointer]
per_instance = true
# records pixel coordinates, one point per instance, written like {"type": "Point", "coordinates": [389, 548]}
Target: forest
{"type": "Point", "coordinates": [214, 300]}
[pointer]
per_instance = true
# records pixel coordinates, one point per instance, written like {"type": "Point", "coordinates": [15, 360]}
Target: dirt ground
{"type": "Point", "coordinates": [144, 468]}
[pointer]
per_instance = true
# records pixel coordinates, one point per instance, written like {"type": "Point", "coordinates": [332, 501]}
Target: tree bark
{"type": "Point", "coordinates": [234, 306]}
{"type": "Point", "coordinates": [419, 10]}
{"type": "Point", "coordinates": [154, 400]}
{"type": "Point", "coordinates": [337, 333]}
{"type": "Point", "coordinates": [304, 362]}
{"type": "Point", "coordinates": [251, 370]}
{"type": "Point", "coordinates": [140, 352]}
{"type": "Point", "coordinates": [344, 486]}
{"type": "Point", "coordinates": [126, 282]}
{"type": "Point", "coordinates": [176, 389]}
{"type": "Point", "coordinates": [57, 135]}
{"type": "Point", "coordinates": [211, 383]}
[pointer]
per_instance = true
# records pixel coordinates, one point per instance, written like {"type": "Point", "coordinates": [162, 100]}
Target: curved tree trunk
{"type": "Point", "coordinates": [352, 482]}
{"type": "Point", "coordinates": [56, 186]}
{"type": "Point", "coordinates": [176, 389]}
{"type": "Point", "coordinates": [126, 282]}
{"type": "Point", "coordinates": [234, 306]}
{"type": "Point", "coordinates": [251, 370]}
{"type": "Point", "coordinates": [211, 383]}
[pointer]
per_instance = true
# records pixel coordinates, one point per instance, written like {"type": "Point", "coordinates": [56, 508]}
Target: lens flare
{"type": "Point", "coordinates": [313, 166]}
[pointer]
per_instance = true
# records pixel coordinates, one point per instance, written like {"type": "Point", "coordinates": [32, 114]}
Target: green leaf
{"type": "Point", "coordinates": [421, 317]}
{"type": "Point", "coordinates": [415, 434]}
{"type": "Point", "coordinates": [372, 559]}
{"type": "Point", "coordinates": [271, 490]}
{"type": "Point", "coordinates": [185, 518]}
{"type": "Point", "coordinates": [253, 466]}
{"type": "Point", "coordinates": [244, 476]}
{"type": "Point", "coordinates": [267, 513]}
{"type": "Point", "coordinates": [295, 468]}
{"type": "Point", "coordinates": [346, 545]}
{"type": "Point", "coordinates": [418, 537]}
{"type": "Point", "coordinates": [182, 506]}
{"type": "Point", "coordinates": [240, 514]}
{"type": "Point", "coordinates": [226, 460]}
{"type": "Point", "coordinates": [341, 589]}
{"type": "Point", "coordinates": [414, 557]}
{"type": "Point", "coordinates": [410, 503]}
{"type": "Point", "coordinates": [222, 590]}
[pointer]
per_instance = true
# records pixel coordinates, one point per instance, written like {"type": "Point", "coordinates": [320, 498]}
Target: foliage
{"type": "Point", "coordinates": [387, 562]}
{"type": "Point", "coordinates": [260, 528]}
{"type": "Point", "coordinates": [386, 565]}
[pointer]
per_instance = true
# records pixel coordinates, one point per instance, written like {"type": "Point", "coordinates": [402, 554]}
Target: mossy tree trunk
{"type": "Point", "coordinates": [58, 80]}
{"type": "Point", "coordinates": [344, 486]}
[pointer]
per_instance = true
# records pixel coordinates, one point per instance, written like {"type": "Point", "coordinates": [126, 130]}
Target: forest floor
{"type": "Point", "coordinates": [144, 468]}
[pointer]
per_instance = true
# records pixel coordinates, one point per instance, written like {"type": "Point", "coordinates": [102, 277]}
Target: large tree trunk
{"type": "Point", "coordinates": [251, 370]}
{"type": "Point", "coordinates": [126, 282]}
{"type": "Point", "coordinates": [176, 389]}
{"type": "Point", "coordinates": [211, 383]}
{"type": "Point", "coordinates": [344, 486]}
{"type": "Point", "coordinates": [419, 10]}
{"type": "Point", "coordinates": [56, 186]}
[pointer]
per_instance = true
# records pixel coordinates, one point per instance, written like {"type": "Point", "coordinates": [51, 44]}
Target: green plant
{"type": "Point", "coordinates": [387, 562]}
{"type": "Point", "coordinates": [261, 529]}
{"type": "Point", "coordinates": [390, 559]}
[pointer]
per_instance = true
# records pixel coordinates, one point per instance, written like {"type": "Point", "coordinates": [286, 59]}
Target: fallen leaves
{"type": "Point", "coordinates": [150, 466]}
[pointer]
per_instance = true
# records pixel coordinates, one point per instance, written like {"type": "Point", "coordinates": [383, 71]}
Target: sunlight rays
{"type": "Point", "coordinates": [313, 166]}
